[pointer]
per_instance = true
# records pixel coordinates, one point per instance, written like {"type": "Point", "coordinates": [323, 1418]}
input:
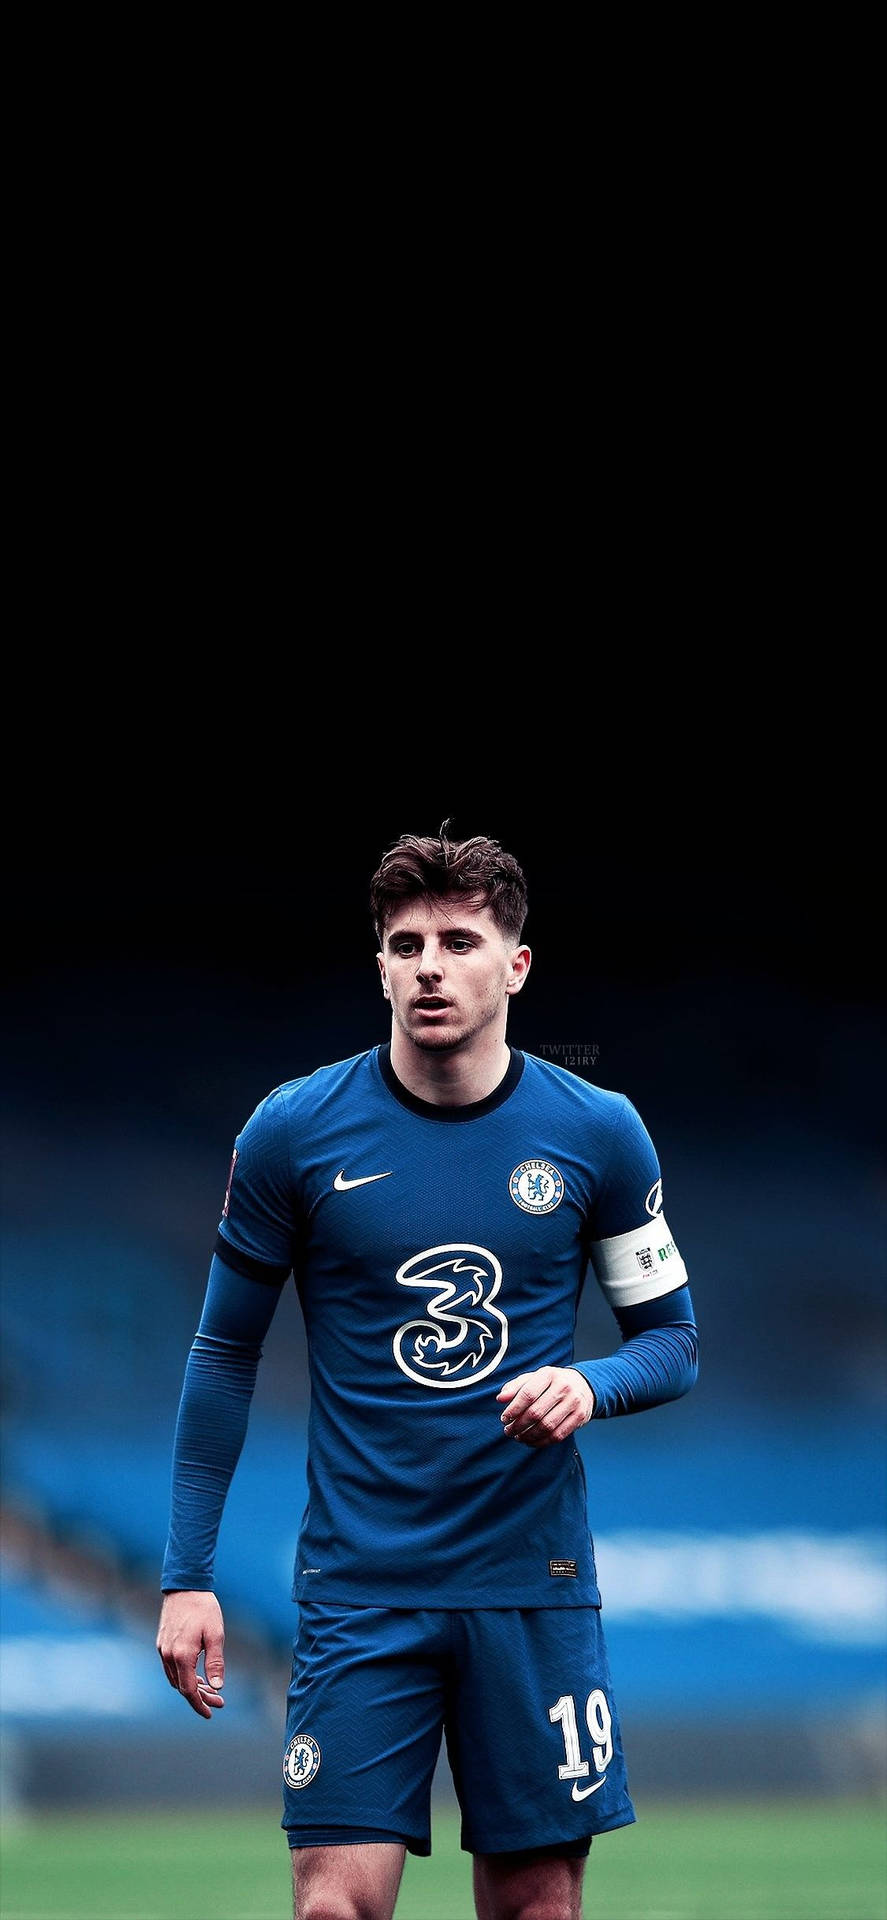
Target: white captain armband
{"type": "Point", "coordinates": [640, 1265]}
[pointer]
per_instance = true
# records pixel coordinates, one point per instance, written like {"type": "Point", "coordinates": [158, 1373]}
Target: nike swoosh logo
{"type": "Point", "coordinates": [342, 1185]}
{"type": "Point", "coordinates": [582, 1793]}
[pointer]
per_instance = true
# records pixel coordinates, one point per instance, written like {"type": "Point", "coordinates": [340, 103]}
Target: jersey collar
{"type": "Point", "coordinates": [428, 1109]}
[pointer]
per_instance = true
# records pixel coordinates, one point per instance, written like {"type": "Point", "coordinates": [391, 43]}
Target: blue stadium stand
{"type": "Point", "coordinates": [87, 1715]}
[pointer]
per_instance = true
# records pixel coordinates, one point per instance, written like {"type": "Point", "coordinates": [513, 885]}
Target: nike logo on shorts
{"type": "Point", "coordinates": [342, 1185]}
{"type": "Point", "coordinates": [582, 1793]}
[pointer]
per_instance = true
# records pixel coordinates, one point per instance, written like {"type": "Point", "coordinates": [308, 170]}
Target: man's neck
{"type": "Point", "coordinates": [451, 1078]}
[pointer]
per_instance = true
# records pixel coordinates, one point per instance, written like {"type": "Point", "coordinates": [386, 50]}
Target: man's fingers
{"type": "Point", "coordinates": [197, 1702]}
{"type": "Point", "coordinates": [518, 1394]}
{"type": "Point", "coordinates": [545, 1406]}
{"type": "Point", "coordinates": [191, 1628]}
{"type": "Point", "coordinates": [530, 1417]}
{"type": "Point", "coordinates": [210, 1696]}
{"type": "Point", "coordinates": [525, 1396]}
{"type": "Point", "coordinates": [196, 1689]}
{"type": "Point", "coordinates": [214, 1659]}
{"type": "Point", "coordinates": [512, 1387]}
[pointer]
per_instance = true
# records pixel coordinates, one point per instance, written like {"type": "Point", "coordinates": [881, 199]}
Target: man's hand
{"type": "Point", "coordinates": [547, 1405]}
{"type": "Point", "coordinates": [191, 1624]}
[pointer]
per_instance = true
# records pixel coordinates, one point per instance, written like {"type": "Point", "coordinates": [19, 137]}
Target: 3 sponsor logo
{"type": "Point", "coordinates": [460, 1336]}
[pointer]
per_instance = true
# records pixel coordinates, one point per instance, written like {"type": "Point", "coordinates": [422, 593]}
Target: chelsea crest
{"type": "Point", "coordinates": [536, 1186]}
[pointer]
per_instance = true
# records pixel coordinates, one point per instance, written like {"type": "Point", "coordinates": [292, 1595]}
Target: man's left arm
{"type": "Point", "coordinates": [658, 1361]}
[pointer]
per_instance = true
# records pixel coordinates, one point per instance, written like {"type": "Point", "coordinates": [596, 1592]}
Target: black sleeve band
{"type": "Point", "coordinates": [251, 1268]}
{"type": "Point", "coordinates": [666, 1310]}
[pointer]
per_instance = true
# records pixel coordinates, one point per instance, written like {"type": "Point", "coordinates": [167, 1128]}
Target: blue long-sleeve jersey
{"type": "Point", "coordinates": [437, 1252]}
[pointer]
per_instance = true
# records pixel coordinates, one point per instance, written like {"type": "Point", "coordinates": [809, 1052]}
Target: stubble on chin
{"type": "Point", "coordinates": [436, 1042]}
{"type": "Point", "coordinates": [430, 1040]}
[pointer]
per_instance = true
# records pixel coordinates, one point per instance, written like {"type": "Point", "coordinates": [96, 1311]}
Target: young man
{"type": "Point", "coordinates": [438, 1200]}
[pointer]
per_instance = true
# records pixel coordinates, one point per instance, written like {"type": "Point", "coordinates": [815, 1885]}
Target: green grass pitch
{"type": "Point", "coordinates": [774, 1861]}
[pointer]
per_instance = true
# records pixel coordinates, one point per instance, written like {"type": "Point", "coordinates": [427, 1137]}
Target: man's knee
{"type": "Point", "coordinates": [515, 1888]}
{"type": "Point", "coordinates": [346, 1883]}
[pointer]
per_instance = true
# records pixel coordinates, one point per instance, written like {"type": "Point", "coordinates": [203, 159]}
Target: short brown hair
{"type": "Point", "coordinates": [435, 867]}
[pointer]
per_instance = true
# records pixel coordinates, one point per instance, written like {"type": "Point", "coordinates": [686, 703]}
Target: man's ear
{"type": "Point", "coordinates": [381, 961]}
{"type": "Point", "coordinates": [520, 967]}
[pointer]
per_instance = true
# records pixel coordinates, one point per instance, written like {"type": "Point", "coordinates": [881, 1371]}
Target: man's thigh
{"type": "Point", "coordinates": [358, 1879]}
{"type": "Point", "coordinates": [364, 1724]}
{"type": "Point", "coordinates": [533, 1734]}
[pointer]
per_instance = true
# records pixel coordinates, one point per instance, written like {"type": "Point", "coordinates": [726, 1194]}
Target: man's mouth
{"type": "Point", "coordinates": [430, 1003]}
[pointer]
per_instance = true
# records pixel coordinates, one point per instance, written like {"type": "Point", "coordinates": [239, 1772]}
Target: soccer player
{"type": "Point", "coordinates": [438, 1201]}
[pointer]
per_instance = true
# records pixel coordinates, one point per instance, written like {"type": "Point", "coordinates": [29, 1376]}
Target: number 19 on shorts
{"type": "Point", "coordinates": [599, 1721]}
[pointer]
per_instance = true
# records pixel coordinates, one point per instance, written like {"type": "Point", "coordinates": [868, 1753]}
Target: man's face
{"type": "Point", "coordinates": [448, 971]}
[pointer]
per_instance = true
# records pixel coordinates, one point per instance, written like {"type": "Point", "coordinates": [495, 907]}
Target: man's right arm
{"type": "Point", "coordinates": [211, 1426]}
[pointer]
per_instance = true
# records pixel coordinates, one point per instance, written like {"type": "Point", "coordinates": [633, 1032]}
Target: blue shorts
{"type": "Point", "coordinates": [522, 1696]}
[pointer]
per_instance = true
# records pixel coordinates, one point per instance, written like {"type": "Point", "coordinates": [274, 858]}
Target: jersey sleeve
{"type": "Point", "coordinates": [213, 1415]}
{"type": "Point", "coordinates": [658, 1360]}
{"type": "Point", "coordinates": [255, 1242]}
{"type": "Point", "coordinates": [631, 1250]}
{"type": "Point", "coordinates": [258, 1230]}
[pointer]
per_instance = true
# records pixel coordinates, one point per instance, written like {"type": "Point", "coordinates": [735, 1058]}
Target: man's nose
{"type": "Point", "coordinates": [430, 967]}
